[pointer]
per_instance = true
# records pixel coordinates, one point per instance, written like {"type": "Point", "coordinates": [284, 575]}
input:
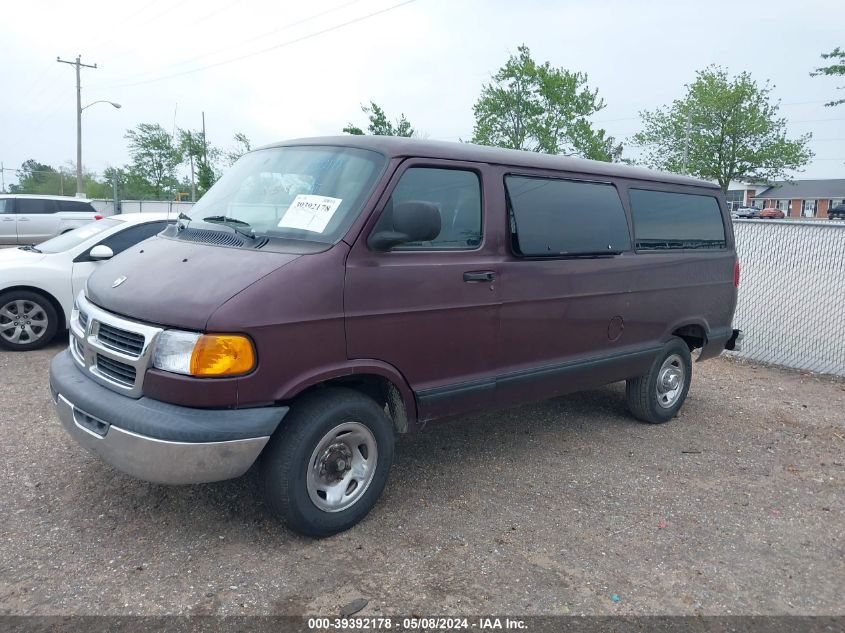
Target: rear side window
{"type": "Point", "coordinates": [551, 217]}
{"type": "Point", "coordinates": [35, 206]}
{"type": "Point", "coordinates": [75, 205]}
{"type": "Point", "coordinates": [5, 206]}
{"type": "Point", "coordinates": [665, 220]}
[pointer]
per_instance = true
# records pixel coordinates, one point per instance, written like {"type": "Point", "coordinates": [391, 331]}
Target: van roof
{"type": "Point", "coordinates": [401, 147]}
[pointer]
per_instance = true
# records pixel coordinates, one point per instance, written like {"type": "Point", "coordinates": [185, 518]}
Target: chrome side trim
{"type": "Point", "coordinates": [88, 345]}
{"type": "Point", "coordinates": [162, 461]}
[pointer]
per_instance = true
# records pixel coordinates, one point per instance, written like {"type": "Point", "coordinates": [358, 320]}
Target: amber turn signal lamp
{"type": "Point", "coordinates": [222, 355]}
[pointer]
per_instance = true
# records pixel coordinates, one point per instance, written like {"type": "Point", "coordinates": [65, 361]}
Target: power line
{"type": "Point", "coordinates": [119, 82]}
{"type": "Point", "coordinates": [816, 120]}
{"type": "Point", "coordinates": [270, 48]}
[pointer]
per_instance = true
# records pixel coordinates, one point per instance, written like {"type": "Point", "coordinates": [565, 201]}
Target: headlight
{"type": "Point", "coordinates": [195, 354]}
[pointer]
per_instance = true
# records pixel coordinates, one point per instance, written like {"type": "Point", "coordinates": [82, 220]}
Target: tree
{"type": "Point", "coordinates": [35, 177]}
{"type": "Point", "coordinates": [380, 125]}
{"type": "Point", "coordinates": [836, 69]}
{"type": "Point", "coordinates": [196, 152]}
{"type": "Point", "coordinates": [723, 129]}
{"type": "Point", "coordinates": [539, 108]}
{"type": "Point", "coordinates": [129, 185]}
{"type": "Point", "coordinates": [154, 157]}
{"type": "Point", "coordinates": [241, 147]}
{"type": "Point", "coordinates": [39, 178]}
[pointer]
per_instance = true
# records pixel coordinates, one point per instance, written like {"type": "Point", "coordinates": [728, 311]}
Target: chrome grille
{"type": "Point", "coordinates": [121, 372]}
{"type": "Point", "coordinates": [112, 350]}
{"type": "Point", "coordinates": [130, 343]}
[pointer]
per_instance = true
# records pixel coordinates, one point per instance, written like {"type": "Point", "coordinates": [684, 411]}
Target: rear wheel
{"type": "Point", "coordinates": [28, 320]}
{"type": "Point", "coordinates": [327, 464]}
{"type": "Point", "coordinates": [657, 396]}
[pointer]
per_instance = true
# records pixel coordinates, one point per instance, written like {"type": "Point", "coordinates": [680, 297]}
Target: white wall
{"type": "Point", "coordinates": [106, 207]}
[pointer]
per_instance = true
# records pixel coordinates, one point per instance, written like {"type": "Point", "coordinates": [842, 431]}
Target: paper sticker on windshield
{"type": "Point", "coordinates": [310, 213]}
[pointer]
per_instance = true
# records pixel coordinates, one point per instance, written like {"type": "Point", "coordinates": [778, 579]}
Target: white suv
{"type": "Point", "coordinates": [30, 219]}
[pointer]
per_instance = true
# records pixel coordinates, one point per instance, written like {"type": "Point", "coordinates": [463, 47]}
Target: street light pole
{"type": "Point", "coordinates": [80, 193]}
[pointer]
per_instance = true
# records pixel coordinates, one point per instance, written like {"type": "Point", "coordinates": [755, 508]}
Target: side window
{"type": "Point", "coordinates": [551, 217]}
{"type": "Point", "coordinates": [6, 206]}
{"type": "Point", "coordinates": [75, 205]}
{"type": "Point", "coordinates": [665, 220]}
{"type": "Point", "coordinates": [35, 206]}
{"type": "Point", "coordinates": [119, 242]}
{"type": "Point", "coordinates": [457, 195]}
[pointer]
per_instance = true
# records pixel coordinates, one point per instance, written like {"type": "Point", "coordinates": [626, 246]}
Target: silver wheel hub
{"type": "Point", "coordinates": [670, 381]}
{"type": "Point", "coordinates": [342, 467]}
{"type": "Point", "coordinates": [22, 321]}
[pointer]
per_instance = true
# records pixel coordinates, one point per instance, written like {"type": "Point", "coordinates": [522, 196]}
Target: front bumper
{"type": "Point", "coordinates": [157, 441]}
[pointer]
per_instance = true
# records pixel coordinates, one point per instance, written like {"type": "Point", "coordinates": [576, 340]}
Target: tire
{"type": "Point", "coordinates": [328, 436]}
{"type": "Point", "coordinates": [650, 397]}
{"type": "Point", "coordinates": [22, 334]}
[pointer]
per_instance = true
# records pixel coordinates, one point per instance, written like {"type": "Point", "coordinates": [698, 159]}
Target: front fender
{"type": "Point", "coordinates": [294, 387]}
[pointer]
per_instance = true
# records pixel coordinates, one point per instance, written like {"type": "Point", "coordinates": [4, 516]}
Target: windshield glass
{"type": "Point", "coordinates": [300, 192]}
{"type": "Point", "coordinates": [73, 238]}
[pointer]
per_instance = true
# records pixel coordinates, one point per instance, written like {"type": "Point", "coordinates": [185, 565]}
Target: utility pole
{"type": "Point", "coordinates": [80, 190]}
{"type": "Point", "coordinates": [191, 157]}
{"type": "Point", "coordinates": [115, 210]}
{"type": "Point", "coordinates": [204, 143]}
{"type": "Point", "coordinates": [2, 178]}
{"type": "Point", "coordinates": [686, 140]}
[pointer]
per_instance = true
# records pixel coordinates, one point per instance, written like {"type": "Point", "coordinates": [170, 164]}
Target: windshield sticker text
{"type": "Point", "coordinates": [310, 213]}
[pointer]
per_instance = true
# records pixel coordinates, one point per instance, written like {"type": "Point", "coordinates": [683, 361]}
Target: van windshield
{"type": "Point", "coordinates": [298, 192]}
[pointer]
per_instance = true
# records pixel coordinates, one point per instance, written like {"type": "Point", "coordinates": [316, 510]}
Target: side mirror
{"type": "Point", "coordinates": [413, 221]}
{"type": "Point", "coordinates": [101, 251]}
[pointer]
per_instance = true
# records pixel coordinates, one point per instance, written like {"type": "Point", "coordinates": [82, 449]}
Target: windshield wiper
{"type": "Point", "coordinates": [29, 247]}
{"type": "Point", "coordinates": [244, 228]}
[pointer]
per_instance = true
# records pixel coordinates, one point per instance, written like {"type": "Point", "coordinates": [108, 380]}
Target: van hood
{"type": "Point", "coordinates": [178, 284]}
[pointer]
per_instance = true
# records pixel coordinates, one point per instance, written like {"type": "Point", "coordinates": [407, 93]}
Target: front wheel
{"type": "Point", "coordinates": [657, 396]}
{"type": "Point", "coordinates": [28, 320]}
{"type": "Point", "coordinates": [327, 464]}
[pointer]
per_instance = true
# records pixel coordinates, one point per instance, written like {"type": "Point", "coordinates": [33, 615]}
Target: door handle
{"type": "Point", "coordinates": [23, 219]}
{"type": "Point", "coordinates": [8, 219]}
{"type": "Point", "coordinates": [479, 275]}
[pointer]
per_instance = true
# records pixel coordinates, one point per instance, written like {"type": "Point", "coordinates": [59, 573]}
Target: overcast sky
{"type": "Point", "coordinates": [426, 58]}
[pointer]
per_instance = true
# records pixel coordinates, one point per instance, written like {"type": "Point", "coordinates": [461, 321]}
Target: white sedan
{"type": "Point", "coordinates": [38, 283]}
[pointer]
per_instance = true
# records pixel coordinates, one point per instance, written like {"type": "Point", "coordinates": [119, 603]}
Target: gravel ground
{"type": "Point", "coordinates": [736, 507]}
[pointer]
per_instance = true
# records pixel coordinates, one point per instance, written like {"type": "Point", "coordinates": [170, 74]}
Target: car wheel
{"type": "Point", "coordinates": [657, 396]}
{"type": "Point", "coordinates": [28, 320]}
{"type": "Point", "coordinates": [326, 466]}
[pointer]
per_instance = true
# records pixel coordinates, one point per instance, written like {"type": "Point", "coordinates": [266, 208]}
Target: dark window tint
{"type": "Point", "coordinates": [6, 206]}
{"type": "Point", "coordinates": [119, 242]}
{"type": "Point", "coordinates": [565, 217]}
{"type": "Point", "coordinates": [457, 195]}
{"type": "Point", "coordinates": [664, 220]}
{"type": "Point", "coordinates": [75, 205]}
{"type": "Point", "coordinates": [35, 206]}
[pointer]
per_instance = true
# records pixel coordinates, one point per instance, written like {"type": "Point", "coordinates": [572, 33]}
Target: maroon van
{"type": "Point", "coordinates": [329, 293]}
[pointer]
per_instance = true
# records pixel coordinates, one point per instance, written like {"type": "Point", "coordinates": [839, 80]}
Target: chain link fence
{"type": "Point", "coordinates": [791, 304]}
